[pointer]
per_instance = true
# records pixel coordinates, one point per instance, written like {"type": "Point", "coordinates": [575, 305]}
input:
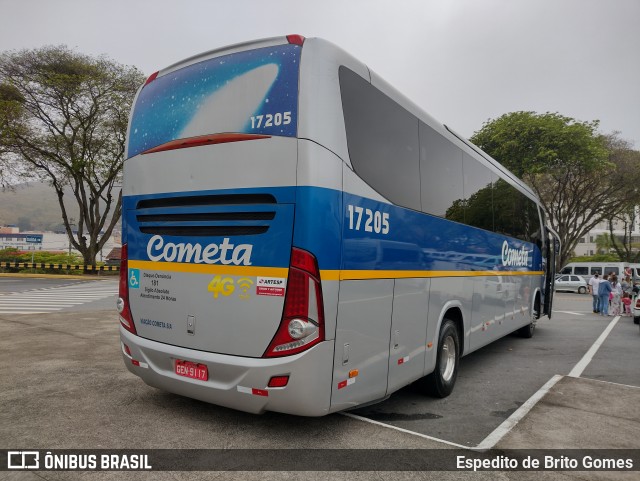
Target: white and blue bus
{"type": "Point", "coordinates": [299, 237]}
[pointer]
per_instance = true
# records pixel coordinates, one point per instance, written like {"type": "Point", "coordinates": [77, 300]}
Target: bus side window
{"type": "Point", "coordinates": [382, 138]}
{"type": "Point", "coordinates": [441, 171]}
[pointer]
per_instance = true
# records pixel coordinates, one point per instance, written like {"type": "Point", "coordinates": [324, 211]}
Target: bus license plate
{"type": "Point", "coordinates": [192, 370]}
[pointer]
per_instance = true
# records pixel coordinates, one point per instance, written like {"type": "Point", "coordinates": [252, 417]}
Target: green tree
{"type": "Point", "coordinates": [604, 243]}
{"type": "Point", "coordinates": [10, 111]}
{"type": "Point", "coordinates": [580, 176]}
{"type": "Point", "coordinates": [63, 120]}
{"type": "Point", "coordinates": [625, 245]}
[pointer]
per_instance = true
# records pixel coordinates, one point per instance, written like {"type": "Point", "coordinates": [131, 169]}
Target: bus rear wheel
{"type": "Point", "coordinates": [528, 330]}
{"type": "Point", "coordinates": [441, 381]}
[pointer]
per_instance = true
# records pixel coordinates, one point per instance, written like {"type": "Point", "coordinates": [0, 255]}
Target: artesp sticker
{"type": "Point", "coordinates": [271, 286]}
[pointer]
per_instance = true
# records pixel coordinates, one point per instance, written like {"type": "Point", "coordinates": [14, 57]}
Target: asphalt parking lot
{"type": "Point", "coordinates": [64, 386]}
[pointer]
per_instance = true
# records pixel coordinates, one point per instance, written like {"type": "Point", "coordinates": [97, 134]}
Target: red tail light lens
{"type": "Point", "coordinates": [278, 381]}
{"type": "Point", "coordinates": [295, 39]}
{"type": "Point", "coordinates": [152, 77]}
{"type": "Point", "coordinates": [204, 140]}
{"type": "Point", "coordinates": [123, 295]}
{"type": "Point", "coordinates": [302, 324]}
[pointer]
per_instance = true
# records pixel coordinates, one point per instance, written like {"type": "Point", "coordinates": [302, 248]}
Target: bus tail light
{"type": "Point", "coordinates": [295, 39]}
{"type": "Point", "coordinates": [152, 77]}
{"type": "Point", "coordinates": [278, 381]}
{"type": "Point", "coordinates": [126, 319]}
{"type": "Point", "coordinates": [302, 323]}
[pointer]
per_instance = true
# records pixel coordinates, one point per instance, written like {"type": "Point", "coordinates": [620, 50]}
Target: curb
{"type": "Point", "coordinates": [59, 276]}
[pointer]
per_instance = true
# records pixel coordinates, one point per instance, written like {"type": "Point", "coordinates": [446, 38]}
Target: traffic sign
{"type": "Point", "coordinates": [34, 238]}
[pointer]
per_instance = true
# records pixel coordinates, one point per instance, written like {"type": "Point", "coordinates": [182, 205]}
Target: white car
{"type": "Point", "coordinates": [571, 283]}
{"type": "Point", "coordinates": [635, 307]}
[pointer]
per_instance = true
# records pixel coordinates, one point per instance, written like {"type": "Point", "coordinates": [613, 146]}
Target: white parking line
{"type": "Point", "coordinates": [586, 359]}
{"type": "Point", "coordinates": [55, 298]}
{"type": "Point", "coordinates": [569, 312]}
{"type": "Point", "coordinates": [391, 426]}
{"type": "Point", "coordinates": [610, 382]}
{"type": "Point", "coordinates": [508, 424]}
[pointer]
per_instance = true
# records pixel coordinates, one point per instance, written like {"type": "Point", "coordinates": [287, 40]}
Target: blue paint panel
{"type": "Point", "coordinates": [166, 106]}
{"type": "Point", "coordinates": [270, 249]}
{"type": "Point", "coordinates": [324, 226]}
{"type": "Point", "coordinates": [418, 241]}
{"type": "Point", "coordinates": [318, 224]}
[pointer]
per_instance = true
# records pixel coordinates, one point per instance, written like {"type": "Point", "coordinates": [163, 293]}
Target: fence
{"type": "Point", "coordinates": [68, 267]}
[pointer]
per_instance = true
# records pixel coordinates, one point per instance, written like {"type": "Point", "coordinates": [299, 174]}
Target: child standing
{"type": "Point", "coordinates": [626, 301]}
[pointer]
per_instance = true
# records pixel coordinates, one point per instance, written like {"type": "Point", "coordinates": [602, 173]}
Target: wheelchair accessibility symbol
{"type": "Point", "coordinates": [134, 278]}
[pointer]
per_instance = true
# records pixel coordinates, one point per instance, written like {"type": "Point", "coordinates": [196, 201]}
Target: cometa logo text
{"type": "Point", "coordinates": [514, 257]}
{"type": "Point", "coordinates": [223, 253]}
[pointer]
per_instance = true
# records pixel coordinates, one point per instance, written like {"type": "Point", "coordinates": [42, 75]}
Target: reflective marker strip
{"type": "Point", "coordinates": [254, 391]}
{"type": "Point", "coordinates": [139, 363]}
{"type": "Point", "coordinates": [402, 360]}
{"type": "Point", "coordinates": [346, 383]}
{"type": "Point", "coordinates": [133, 361]}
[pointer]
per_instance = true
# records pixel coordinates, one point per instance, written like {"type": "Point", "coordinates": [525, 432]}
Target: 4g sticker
{"type": "Point", "coordinates": [226, 286]}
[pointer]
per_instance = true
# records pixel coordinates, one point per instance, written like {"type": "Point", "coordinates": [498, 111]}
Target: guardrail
{"type": "Point", "coordinates": [68, 267]}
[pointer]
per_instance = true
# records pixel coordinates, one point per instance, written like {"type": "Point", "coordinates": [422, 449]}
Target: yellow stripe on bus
{"type": "Point", "coordinates": [367, 274]}
{"type": "Point", "coordinates": [210, 269]}
{"type": "Point", "coordinates": [326, 275]}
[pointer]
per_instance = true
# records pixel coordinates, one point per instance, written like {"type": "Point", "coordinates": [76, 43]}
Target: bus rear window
{"type": "Point", "coordinates": [254, 91]}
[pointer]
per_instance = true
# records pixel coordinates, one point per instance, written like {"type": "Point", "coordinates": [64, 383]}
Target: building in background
{"type": "Point", "coordinates": [10, 236]}
{"type": "Point", "coordinates": [587, 245]}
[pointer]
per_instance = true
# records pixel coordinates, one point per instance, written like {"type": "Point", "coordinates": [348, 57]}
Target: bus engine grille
{"type": "Point", "coordinates": [206, 215]}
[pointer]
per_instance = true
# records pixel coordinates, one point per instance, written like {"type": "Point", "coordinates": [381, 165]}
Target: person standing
{"type": "Point", "coordinates": [625, 283]}
{"type": "Point", "coordinates": [594, 282]}
{"type": "Point", "coordinates": [616, 302]}
{"type": "Point", "coordinates": [604, 289]}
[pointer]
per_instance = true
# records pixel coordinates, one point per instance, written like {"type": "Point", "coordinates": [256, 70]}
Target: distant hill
{"type": "Point", "coordinates": [33, 206]}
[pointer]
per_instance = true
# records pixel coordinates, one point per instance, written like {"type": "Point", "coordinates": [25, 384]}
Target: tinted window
{"type": "Point", "coordinates": [581, 271]}
{"type": "Point", "coordinates": [596, 270]}
{"type": "Point", "coordinates": [610, 269]}
{"type": "Point", "coordinates": [441, 174]}
{"type": "Point", "coordinates": [514, 213]}
{"type": "Point", "coordinates": [478, 193]}
{"type": "Point", "coordinates": [383, 140]}
{"type": "Point", "coordinates": [566, 270]}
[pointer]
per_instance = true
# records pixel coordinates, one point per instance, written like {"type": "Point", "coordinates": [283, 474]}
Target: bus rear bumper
{"type": "Point", "coordinates": [237, 382]}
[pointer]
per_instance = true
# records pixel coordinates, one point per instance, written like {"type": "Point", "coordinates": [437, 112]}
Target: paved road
{"type": "Point", "coordinates": [496, 380]}
{"type": "Point", "coordinates": [33, 296]}
{"type": "Point", "coordinates": [66, 387]}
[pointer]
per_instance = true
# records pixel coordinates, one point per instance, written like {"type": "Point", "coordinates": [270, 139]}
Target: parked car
{"type": "Point", "coordinates": [571, 283]}
{"type": "Point", "coordinates": [635, 305]}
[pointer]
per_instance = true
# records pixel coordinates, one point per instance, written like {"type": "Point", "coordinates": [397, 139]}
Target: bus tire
{"type": "Point", "coordinates": [441, 381]}
{"type": "Point", "coordinates": [528, 330]}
